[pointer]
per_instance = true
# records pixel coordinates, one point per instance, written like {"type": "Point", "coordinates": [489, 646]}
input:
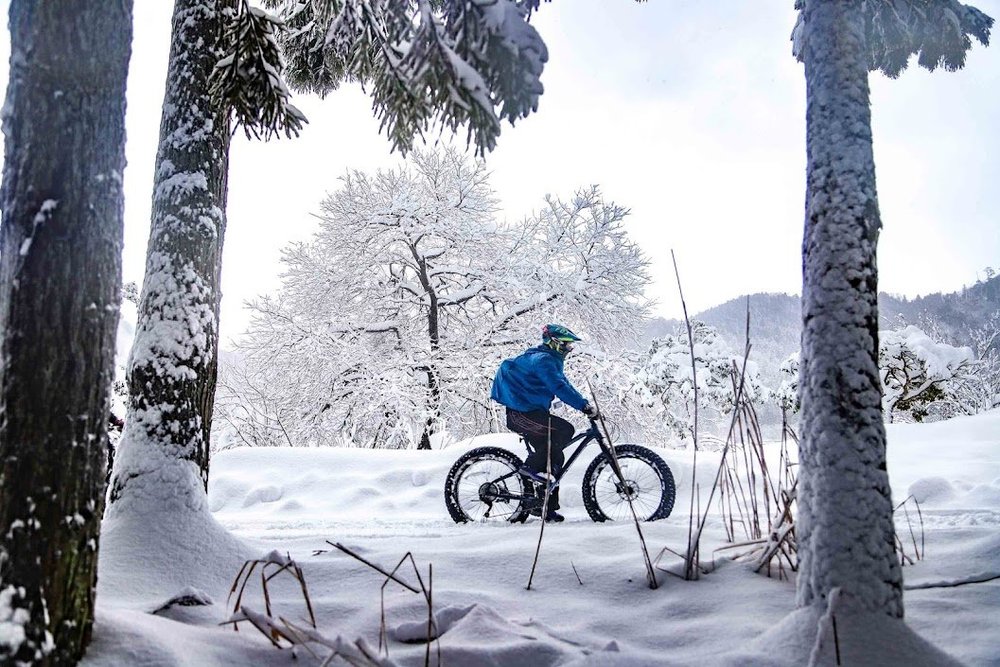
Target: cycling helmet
{"type": "Point", "coordinates": [559, 338]}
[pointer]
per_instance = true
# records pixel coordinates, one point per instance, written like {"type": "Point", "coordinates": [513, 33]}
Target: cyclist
{"type": "Point", "coordinates": [526, 385]}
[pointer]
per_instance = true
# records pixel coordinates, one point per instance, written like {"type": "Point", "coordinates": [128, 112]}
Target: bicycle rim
{"type": "Point", "coordinates": [644, 486]}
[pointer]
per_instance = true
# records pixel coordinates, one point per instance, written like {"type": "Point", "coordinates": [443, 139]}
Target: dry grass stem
{"type": "Point", "coordinates": [918, 549]}
{"type": "Point", "coordinates": [690, 572]}
{"type": "Point", "coordinates": [576, 573]}
{"type": "Point", "coordinates": [545, 505]}
{"type": "Point", "coordinates": [613, 456]}
{"type": "Point", "coordinates": [694, 540]}
{"type": "Point", "coordinates": [390, 575]}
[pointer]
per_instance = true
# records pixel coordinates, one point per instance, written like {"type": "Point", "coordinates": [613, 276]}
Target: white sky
{"type": "Point", "coordinates": [691, 113]}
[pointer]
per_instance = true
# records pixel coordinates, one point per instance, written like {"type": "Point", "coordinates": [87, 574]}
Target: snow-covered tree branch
{"type": "Point", "coordinates": [452, 63]}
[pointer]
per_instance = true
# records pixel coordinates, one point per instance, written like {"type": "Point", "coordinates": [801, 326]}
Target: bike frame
{"type": "Point", "coordinates": [593, 433]}
{"type": "Point", "coordinates": [584, 438]}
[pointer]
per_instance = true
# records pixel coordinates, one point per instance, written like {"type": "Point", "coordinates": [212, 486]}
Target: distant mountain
{"type": "Point", "coordinates": [775, 319]}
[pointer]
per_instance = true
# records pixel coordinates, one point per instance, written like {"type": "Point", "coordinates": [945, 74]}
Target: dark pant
{"type": "Point", "coordinates": [545, 433]}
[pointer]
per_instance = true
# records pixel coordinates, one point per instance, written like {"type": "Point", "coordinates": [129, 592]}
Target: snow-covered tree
{"type": "Point", "coordinates": [845, 526]}
{"type": "Point", "coordinates": [392, 320]}
{"type": "Point", "coordinates": [786, 395]}
{"type": "Point", "coordinates": [172, 367]}
{"type": "Point", "coordinates": [981, 389]}
{"type": "Point", "coordinates": [977, 388]}
{"type": "Point", "coordinates": [60, 276]}
{"type": "Point", "coordinates": [664, 380]}
{"type": "Point", "coordinates": [919, 373]}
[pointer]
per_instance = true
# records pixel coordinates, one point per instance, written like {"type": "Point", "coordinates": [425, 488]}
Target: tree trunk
{"type": "Point", "coordinates": [434, 336]}
{"type": "Point", "coordinates": [845, 523]}
{"type": "Point", "coordinates": [163, 456]}
{"type": "Point", "coordinates": [60, 282]}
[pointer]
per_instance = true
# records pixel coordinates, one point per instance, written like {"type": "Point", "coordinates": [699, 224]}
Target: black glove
{"type": "Point", "coordinates": [591, 411]}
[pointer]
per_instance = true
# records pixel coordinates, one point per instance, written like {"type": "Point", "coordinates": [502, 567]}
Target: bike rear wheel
{"type": "Point", "coordinates": [648, 483]}
{"type": "Point", "coordinates": [483, 486]}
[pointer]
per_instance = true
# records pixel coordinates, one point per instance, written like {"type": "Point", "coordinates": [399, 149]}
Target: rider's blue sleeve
{"type": "Point", "coordinates": [556, 382]}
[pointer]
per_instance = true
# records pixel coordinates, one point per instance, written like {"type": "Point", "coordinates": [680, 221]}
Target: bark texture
{"type": "Point", "coordinates": [163, 456]}
{"type": "Point", "coordinates": [60, 281]}
{"type": "Point", "coordinates": [845, 522]}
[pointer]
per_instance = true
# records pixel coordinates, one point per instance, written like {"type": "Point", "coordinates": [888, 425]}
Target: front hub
{"type": "Point", "coordinates": [627, 490]}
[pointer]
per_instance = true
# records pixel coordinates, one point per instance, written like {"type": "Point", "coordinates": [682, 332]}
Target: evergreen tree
{"type": "Point", "coordinates": [223, 62]}
{"type": "Point", "coordinates": [845, 528]}
{"type": "Point", "coordinates": [60, 276]}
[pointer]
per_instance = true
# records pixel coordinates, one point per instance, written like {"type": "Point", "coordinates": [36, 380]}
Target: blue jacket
{"type": "Point", "coordinates": [532, 379]}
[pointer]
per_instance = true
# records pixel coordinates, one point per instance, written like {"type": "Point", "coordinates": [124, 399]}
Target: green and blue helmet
{"type": "Point", "coordinates": [559, 338]}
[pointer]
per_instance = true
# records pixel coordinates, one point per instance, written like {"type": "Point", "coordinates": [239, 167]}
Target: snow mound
{"type": "Point", "coordinates": [190, 606]}
{"type": "Point", "coordinates": [416, 631]}
{"type": "Point", "coordinates": [187, 597]}
{"type": "Point", "coordinates": [123, 637]}
{"type": "Point", "coordinates": [863, 638]}
{"type": "Point", "coordinates": [145, 557]}
{"type": "Point", "coordinates": [930, 490]}
{"type": "Point", "coordinates": [483, 637]}
{"type": "Point", "coordinates": [263, 494]}
{"type": "Point", "coordinates": [984, 495]}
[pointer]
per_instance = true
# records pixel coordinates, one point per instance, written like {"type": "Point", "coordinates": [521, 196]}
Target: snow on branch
{"type": "Point", "coordinates": [938, 32]}
{"type": "Point", "coordinates": [248, 76]}
{"type": "Point", "coordinates": [425, 63]}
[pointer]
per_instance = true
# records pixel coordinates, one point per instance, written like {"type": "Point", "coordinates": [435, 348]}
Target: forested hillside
{"type": "Point", "coordinates": [775, 319]}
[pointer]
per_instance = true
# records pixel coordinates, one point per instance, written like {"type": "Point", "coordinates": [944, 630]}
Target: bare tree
{"type": "Point", "coordinates": [845, 510]}
{"type": "Point", "coordinates": [60, 280]}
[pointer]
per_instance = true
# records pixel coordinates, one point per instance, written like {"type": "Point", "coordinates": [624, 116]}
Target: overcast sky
{"type": "Point", "coordinates": [691, 113]}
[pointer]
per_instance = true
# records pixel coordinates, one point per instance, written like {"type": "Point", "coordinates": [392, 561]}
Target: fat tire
{"type": "Point", "coordinates": [464, 462]}
{"type": "Point", "coordinates": [668, 490]}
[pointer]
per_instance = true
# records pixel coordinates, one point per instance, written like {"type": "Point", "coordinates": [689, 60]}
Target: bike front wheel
{"type": "Point", "coordinates": [484, 486]}
{"type": "Point", "coordinates": [648, 483]}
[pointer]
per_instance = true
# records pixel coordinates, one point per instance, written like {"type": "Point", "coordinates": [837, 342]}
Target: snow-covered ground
{"type": "Point", "coordinates": [384, 504]}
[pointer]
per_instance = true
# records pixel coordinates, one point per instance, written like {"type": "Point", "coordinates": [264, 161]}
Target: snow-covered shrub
{"type": "Point", "coordinates": [664, 381]}
{"type": "Point", "coordinates": [786, 395]}
{"type": "Point", "coordinates": [919, 375]}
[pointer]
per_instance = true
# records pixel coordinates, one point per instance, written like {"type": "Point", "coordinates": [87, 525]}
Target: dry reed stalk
{"type": "Point", "coordinates": [689, 571]}
{"type": "Point", "coordinates": [701, 566]}
{"type": "Point", "coordinates": [545, 505]}
{"type": "Point", "coordinates": [692, 543]}
{"type": "Point", "coordinates": [390, 575]}
{"type": "Point", "coordinates": [280, 631]}
{"type": "Point", "coordinates": [616, 467]}
{"type": "Point", "coordinates": [752, 486]}
{"type": "Point", "coordinates": [576, 573]}
{"type": "Point", "coordinates": [285, 564]}
{"type": "Point", "coordinates": [918, 551]}
{"type": "Point", "coordinates": [373, 566]}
